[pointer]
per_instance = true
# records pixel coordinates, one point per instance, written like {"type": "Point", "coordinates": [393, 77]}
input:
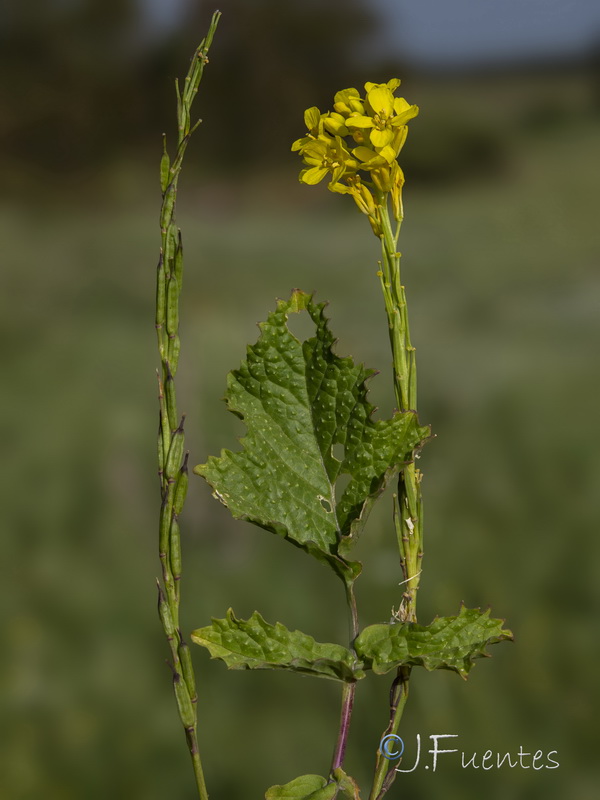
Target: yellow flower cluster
{"type": "Point", "coordinates": [360, 134]}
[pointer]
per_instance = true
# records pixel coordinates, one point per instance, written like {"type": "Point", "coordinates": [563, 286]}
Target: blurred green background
{"type": "Point", "coordinates": [501, 257]}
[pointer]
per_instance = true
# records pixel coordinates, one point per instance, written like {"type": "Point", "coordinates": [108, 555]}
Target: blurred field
{"type": "Point", "coordinates": [504, 290]}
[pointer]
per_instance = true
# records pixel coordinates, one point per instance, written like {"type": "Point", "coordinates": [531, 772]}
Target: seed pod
{"type": "Point", "coordinates": [170, 247]}
{"type": "Point", "coordinates": [184, 702]}
{"type": "Point", "coordinates": [161, 450]}
{"type": "Point", "coordinates": [166, 515]}
{"type": "Point", "coordinates": [172, 305]}
{"type": "Point", "coordinates": [165, 614]}
{"type": "Point", "coordinates": [175, 453]}
{"type": "Point", "coordinates": [171, 403]}
{"type": "Point", "coordinates": [165, 163]}
{"type": "Point", "coordinates": [175, 549]}
{"type": "Point", "coordinates": [165, 428]}
{"type": "Point", "coordinates": [173, 352]}
{"type": "Point", "coordinates": [161, 293]}
{"type": "Point", "coordinates": [187, 669]}
{"type": "Point", "coordinates": [181, 487]}
{"type": "Point", "coordinates": [179, 260]}
{"type": "Point", "coordinates": [166, 212]}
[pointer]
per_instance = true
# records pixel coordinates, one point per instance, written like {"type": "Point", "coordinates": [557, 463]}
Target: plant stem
{"type": "Point", "coordinates": [349, 689]}
{"type": "Point", "coordinates": [398, 698]}
{"type": "Point", "coordinates": [172, 462]}
{"type": "Point", "coordinates": [345, 717]}
{"type": "Point", "coordinates": [408, 506]}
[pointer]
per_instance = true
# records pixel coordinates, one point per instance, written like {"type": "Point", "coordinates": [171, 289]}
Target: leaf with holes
{"type": "Point", "coordinates": [301, 402]}
{"type": "Point", "coordinates": [256, 644]}
{"type": "Point", "coordinates": [447, 643]}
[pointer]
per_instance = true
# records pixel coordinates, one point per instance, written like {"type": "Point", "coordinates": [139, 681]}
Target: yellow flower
{"type": "Point", "coordinates": [360, 134]}
{"type": "Point", "coordinates": [324, 155]}
{"type": "Point", "coordinates": [385, 118]}
{"type": "Point", "coordinates": [313, 119]}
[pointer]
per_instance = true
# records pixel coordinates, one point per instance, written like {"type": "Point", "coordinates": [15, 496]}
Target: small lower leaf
{"type": "Point", "coordinates": [447, 643]}
{"type": "Point", "coordinates": [346, 784]}
{"type": "Point", "coordinates": [306, 787]}
{"type": "Point", "coordinates": [255, 644]}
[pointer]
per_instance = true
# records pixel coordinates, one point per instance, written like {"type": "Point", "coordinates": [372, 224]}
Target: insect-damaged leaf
{"type": "Point", "coordinates": [306, 787]}
{"type": "Point", "coordinates": [256, 644]}
{"type": "Point", "coordinates": [300, 401]}
{"type": "Point", "coordinates": [447, 643]}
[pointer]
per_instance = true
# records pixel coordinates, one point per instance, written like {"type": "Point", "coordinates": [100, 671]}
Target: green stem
{"type": "Point", "coordinates": [408, 512]}
{"type": "Point", "coordinates": [398, 698]}
{"type": "Point", "coordinates": [349, 689]}
{"type": "Point", "coordinates": [172, 462]}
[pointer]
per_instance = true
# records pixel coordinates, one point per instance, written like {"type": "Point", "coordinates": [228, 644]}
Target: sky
{"type": "Point", "coordinates": [464, 31]}
{"type": "Point", "coordinates": [437, 32]}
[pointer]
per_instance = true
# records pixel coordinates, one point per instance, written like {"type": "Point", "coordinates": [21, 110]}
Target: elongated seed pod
{"type": "Point", "coordinates": [175, 549]}
{"type": "Point", "coordinates": [172, 305]}
{"type": "Point", "coordinates": [161, 293]}
{"type": "Point", "coordinates": [165, 614]}
{"type": "Point", "coordinates": [170, 248]}
{"type": "Point", "coordinates": [187, 668]}
{"type": "Point", "coordinates": [164, 422]}
{"type": "Point", "coordinates": [184, 702]}
{"type": "Point", "coordinates": [161, 450]}
{"type": "Point", "coordinates": [181, 487]}
{"type": "Point", "coordinates": [171, 400]}
{"type": "Point", "coordinates": [173, 352]}
{"type": "Point", "coordinates": [166, 212]}
{"type": "Point", "coordinates": [166, 515]}
{"type": "Point", "coordinates": [165, 163]}
{"type": "Point", "coordinates": [175, 454]}
{"type": "Point", "coordinates": [179, 260]}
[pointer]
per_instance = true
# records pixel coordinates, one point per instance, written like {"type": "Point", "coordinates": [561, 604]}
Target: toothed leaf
{"type": "Point", "coordinates": [256, 644]}
{"type": "Point", "coordinates": [299, 401]}
{"type": "Point", "coordinates": [447, 643]}
{"type": "Point", "coordinates": [306, 787]}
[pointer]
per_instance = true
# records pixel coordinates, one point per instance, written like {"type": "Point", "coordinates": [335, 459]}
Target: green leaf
{"type": "Point", "coordinates": [347, 785]}
{"type": "Point", "coordinates": [447, 643]}
{"type": "Point", "coordinates": [300, 401]}
{"type": "Point", "coordinates": [306, 787]}
{"type": "Point", "coordinates": [255, 644]}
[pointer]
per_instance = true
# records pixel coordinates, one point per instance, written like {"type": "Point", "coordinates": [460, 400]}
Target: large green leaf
{"type": "Point", "coordinates": [255, 644]}
{"type": "Point", "coordinates": [301, 404]}
{"type": "Point", "coordinates": [306, 787]}
{"type": "Point", "coordinates": [448, 643]}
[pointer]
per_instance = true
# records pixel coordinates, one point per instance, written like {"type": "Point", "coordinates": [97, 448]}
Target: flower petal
{"type": "Point", "coordinates": [313, 175]}
{"type": "Point", "coordinates": [388, 153]}
{"type": "Point", "coordinates": [381, 138]}
{"type": "Point", "coordinates": [335, 124]}
{"type": "Point", "coordinates": [381, 100]}
{"type": "Point", "coordinates": [340, 188]}
{"type": "Point", "coordinates": [312, 117]}
{"type": "Point", "coordinates": [400, 135]}
{"type": "Point", "coordinates": [344, 95]}
{"type": "Point", "coordinates": [364, 153]}
{"type": "Point", "coordinates": [359, 121]}
{"type": "Point", "coordinates": [404, 111]}
{"type": "Point", "coordinates": [300, 143]}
